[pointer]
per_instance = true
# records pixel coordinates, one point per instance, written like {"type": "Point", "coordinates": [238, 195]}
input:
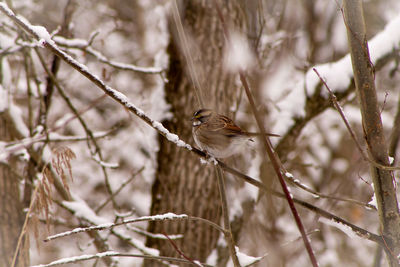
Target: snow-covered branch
{"type": "Point", "coordinates": [44, 38]}
{"type": "Point", "coordinates": [100, 255]}
{"type": "Point", "coordinates": [104, 226]}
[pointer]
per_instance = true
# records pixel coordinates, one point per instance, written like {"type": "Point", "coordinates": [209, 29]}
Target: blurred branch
{"type": "Point", "coordinates": [85, 46]}
{"type": "Point", "coordinates": [225, 216]}
{"type": "Point", "coordinates": [27, 142]}
{"type": "Point", "coordinates": [116, 192]}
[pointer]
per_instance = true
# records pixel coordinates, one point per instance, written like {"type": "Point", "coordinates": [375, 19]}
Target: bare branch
{"type": "Point", "coordinates": [85, 46]}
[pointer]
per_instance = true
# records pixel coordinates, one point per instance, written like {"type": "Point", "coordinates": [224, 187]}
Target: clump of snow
{"type": "Point", "coordinates": [373, 200]}
{"type": "Point", "coordinates": [82, 210]}
{"type": "Point", "coordinates": [340, 165]}
{"type": "Point", "coordinates": [212, 258]}
{"type": "Point", "coordinates": [6, 9]}
{"type": "Point", "coordinates": [385, 41]}
{"type": "Point", "coordinates": [15, 113]}
{"type": "Point", "coordinates": [3, 99]}
{"type": "Point", "coordinates": [203, 161]}
{"type": "Point", "coordinates": [40, 32]}
{"type": "Point", "coordinates": [344, 228]}
{"type": "Point", "coordinates": [289, 175]}
{"type": "Point", "coordinates": [337, 75]}
{"type": "Point", "coordinates": [238, 55]}
{"type": "Point", "coordinates": [246, 260]}
{"type": "Point", "coordinates": [170, 136]}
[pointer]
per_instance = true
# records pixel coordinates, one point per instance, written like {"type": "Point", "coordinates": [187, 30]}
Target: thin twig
{"type": "Point", "coordinates": [23, 229]}
{"type": "Point", "coordinates": [180, 252]}
{"type": "Point", "coordinates": [85, 46]}
{"type": "Point", "coordinates": [225, 216]}
{"type": "Point", "coordinates": [352, 134]}
{"type": "Point", "coordinates": [101, 206]}
{"type": "Point", "coordinates": [320, 195]}
{"type": "Point", "coordinates": [89, 132]}
{"type": "Point", "coordinates": [187, 54]}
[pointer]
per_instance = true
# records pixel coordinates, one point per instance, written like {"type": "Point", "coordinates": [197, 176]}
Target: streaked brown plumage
{"type": "Point", "coordinates": [218, 134]}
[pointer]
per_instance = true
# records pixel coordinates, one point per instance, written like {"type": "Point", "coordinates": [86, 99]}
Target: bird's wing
{"type": "Point", "coordinates": [224, 125]}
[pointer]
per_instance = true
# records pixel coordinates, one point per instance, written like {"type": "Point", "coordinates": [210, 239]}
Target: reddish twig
{"type": "Point", "coordinates": [180, 252]}
{"type": "Point", "coordinates": [276, 163]}
{"type": "Point", "coordinates": [352, 134]}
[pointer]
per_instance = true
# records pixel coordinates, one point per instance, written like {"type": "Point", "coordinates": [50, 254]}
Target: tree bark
{"type": "Point", "coordinates": [11, 207]}
{"type": "Point", "coordinates": [182, 184]}
{"type": "Point", "coordinates": [384, 183]}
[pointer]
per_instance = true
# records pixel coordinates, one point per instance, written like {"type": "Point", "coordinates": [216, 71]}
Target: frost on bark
{"type": "Point", "coordinates": [182, 184]}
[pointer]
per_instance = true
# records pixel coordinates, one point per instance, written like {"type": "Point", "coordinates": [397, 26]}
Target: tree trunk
{"type": "Point", "coordinates": [11, 207]}
{"type": "Point", "coordinates": [182, 184]}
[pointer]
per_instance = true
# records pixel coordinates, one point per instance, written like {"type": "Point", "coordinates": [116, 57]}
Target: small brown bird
{"type": "Point", "coordinates": [218, 134]}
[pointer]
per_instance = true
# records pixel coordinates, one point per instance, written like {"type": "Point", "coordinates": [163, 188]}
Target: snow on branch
{"type": "Point", "coordinates": [79, 212]}
{"type": "Point", "coordinates": [342, 227]}
{"type": "Point", "coordinates": [100, 255]}
{"type": "Point", "coordinates": [316, 194]}
{"type": "Point", "coordinates": [246, 260]}
{"type": "Point", "coordinates": [340, 73]}
{"type": "Point", "coordinates": [80, 258]}
{"type": "Point", "coordinates": [41, 34]}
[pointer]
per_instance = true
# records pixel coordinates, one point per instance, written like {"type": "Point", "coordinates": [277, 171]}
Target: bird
{"type": "Point", "coordinates": [218, 135]}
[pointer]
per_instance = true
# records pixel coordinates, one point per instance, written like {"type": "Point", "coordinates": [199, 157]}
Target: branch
{"type": "Point", "coordinates": [384, 183]}
{"type": "Point", "coordinates": [85, 46]}
{"type": "Point", "coordinates": [41, 34]}
{"type": "Point", "coordinates": [163, 217]}
{"type": "Point", "coordinates": [115, 254]}
{"type": "Point", "coordinates": [304, 187]}
{"type": "Point", "coordinates": [225, 215]}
